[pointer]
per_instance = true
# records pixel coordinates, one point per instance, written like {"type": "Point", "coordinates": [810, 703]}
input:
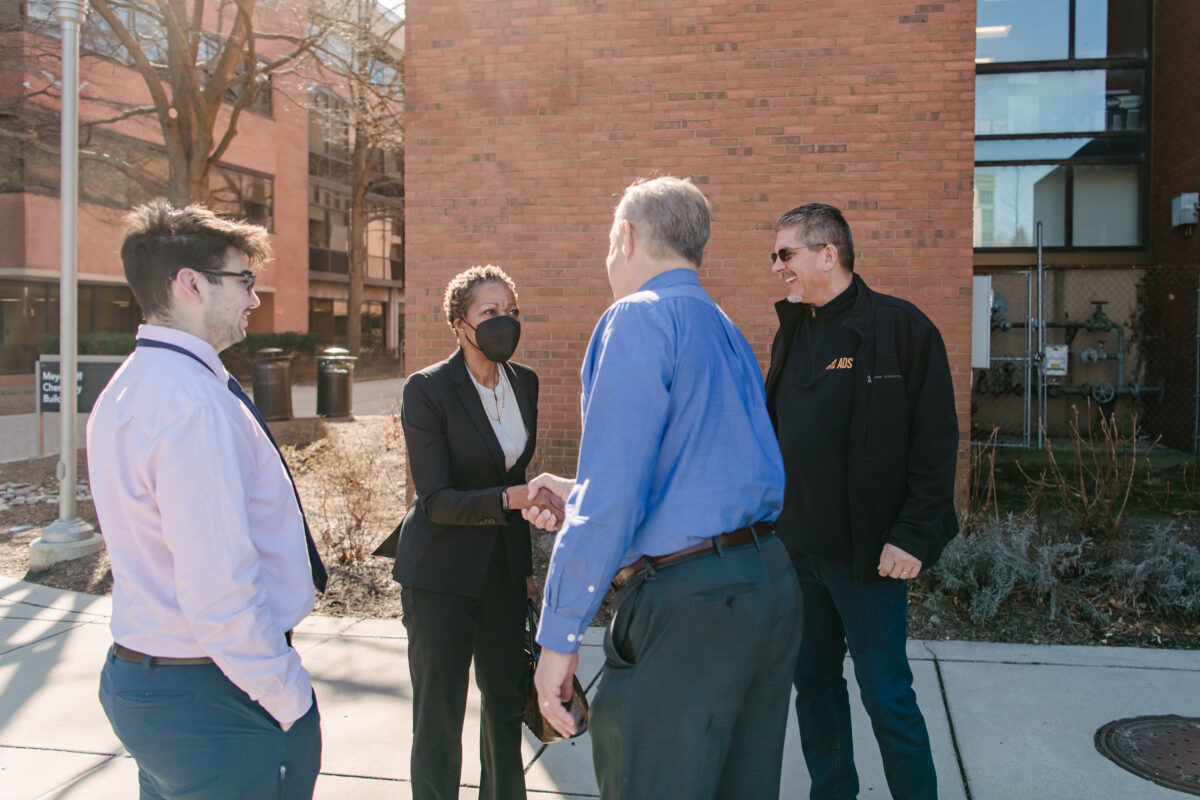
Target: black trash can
{"type": "Point", "coordinates": [335, 382]}
{"type": "Point", "coordinates": [273, 383]}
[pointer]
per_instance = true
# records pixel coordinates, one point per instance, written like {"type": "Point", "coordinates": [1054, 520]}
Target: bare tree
{"type": "Point", "coordinates": [360, 58]}
{"type": "Point", "coordinates": [200, 61]}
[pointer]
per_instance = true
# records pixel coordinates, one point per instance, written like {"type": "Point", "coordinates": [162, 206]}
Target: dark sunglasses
{"type": "Point", "coordinates": [785, 254]}
{"type": "Point", "coordinates": [247, 277]}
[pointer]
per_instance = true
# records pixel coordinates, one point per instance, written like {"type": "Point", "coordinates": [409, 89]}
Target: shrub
{"type": "Point", "coordinates": [1096, 485]}
{"type": "Point", "coordinates": [984, 566]}
{"type": "Point", "coordinates": [288, 341]}
{"type": "Point", "coordinates": [94, 344]}
{"type": "Point", "coordinates": [1163, 571]}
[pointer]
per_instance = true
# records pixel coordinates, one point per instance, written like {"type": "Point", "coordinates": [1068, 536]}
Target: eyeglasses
{"type": "Point", "coordinates": [247, 277]}
{"type": "Point", "coordinates": [785, 254]}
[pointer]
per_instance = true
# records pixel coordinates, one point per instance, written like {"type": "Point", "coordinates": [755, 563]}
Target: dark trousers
{"type": "Point", "coordinates": [444, 632]}
{"type": "Point", "coordinates": [197, 736]}
{"type": "Point", "coordinates": [871, 619]}
{"type": "Point", "coordinates": [693, 697]}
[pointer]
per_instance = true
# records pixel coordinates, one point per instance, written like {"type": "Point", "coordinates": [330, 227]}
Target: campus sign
{"type": "Point", "coordinates": [91, 376]}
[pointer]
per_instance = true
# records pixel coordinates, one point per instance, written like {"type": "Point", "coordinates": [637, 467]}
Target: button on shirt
{"type": "Point", "coordinates": [200, 521]}
{"type": "Point", "coordinates": [676, 446]}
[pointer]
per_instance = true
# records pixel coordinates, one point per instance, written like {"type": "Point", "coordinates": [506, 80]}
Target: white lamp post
{"type": "Point", "coordinates": [67, 537]}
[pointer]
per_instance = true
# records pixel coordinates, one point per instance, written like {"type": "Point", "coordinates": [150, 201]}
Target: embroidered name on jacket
{"type": "Point", "coordinates": [846, 362]}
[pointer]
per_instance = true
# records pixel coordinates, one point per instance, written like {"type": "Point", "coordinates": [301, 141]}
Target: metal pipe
{"type": "Point", "coordinates": [1041, 350]}
{"type": "Point", "coordinates": [70, 14]}
{"type": "Point", "coordinates": [1028, 410]}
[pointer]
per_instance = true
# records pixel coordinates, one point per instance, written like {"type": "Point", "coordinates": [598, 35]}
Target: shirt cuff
{"type": "Point", "coordinates": [560, 633]}
{"type": "Point", "coordinates": [291, 705]}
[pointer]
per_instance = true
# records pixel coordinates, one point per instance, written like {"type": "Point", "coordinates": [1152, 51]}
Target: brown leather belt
{"type": "Point", "coordinates": [742, 536]}
{"type": "Point", "coordinates": [126, 654]}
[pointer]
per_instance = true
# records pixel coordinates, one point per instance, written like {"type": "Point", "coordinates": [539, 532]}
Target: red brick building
{"type": "Point", "coordinates": [945, 131]}
{"type": "Point", "coordinates": [287, 169]}
{"type": "Point", "coordinates": [526, 120]}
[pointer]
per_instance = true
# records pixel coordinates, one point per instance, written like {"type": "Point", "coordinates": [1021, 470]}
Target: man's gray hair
{"type": "Point", "coordinates": [817, 222]}
{"type": "Point", "coordinates": [670, 215]}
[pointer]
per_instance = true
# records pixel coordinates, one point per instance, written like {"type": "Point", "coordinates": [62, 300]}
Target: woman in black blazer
{"type": "Point", "coordinates": [463, 556]}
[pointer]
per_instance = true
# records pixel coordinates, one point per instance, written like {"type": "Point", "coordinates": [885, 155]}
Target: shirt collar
{"type": "Point", "coordinates": [672, 277]}
{"type": "Point", "coordinates": [193, 344]}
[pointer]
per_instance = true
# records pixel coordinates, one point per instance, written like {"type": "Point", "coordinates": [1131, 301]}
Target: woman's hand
{"type": "Point", "coordinates": [541, 507]}
{"type": "Point", "coordinates": [532, 592]}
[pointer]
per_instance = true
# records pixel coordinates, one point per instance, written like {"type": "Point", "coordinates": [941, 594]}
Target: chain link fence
{"type": "Point", "coordinates": [1118, 342]}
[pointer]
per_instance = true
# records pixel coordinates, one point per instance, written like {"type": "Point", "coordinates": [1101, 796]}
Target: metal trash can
{"type": "Point", "coordinates": [335, 382]}
{"type": "Point", "coordinates": [273, 383]}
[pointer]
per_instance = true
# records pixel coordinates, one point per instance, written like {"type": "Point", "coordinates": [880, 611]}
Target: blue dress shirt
{"type": "Point", "coordinates": [676, 445]}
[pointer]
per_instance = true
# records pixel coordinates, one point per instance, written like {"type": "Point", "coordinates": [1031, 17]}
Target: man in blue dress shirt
{"type": "Point", "coordinates": [678, 483]}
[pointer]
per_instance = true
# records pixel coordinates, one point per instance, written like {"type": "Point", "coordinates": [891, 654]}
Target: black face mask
{"type": "Point", "coordinates": [497, 338]}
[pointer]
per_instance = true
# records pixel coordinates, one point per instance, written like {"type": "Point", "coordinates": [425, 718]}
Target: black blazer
{"type": "Point", "coordinates": [457, 466]}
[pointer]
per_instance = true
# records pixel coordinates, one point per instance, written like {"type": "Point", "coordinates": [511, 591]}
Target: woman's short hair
{"type": "Point", "coordinates": [458, 290]}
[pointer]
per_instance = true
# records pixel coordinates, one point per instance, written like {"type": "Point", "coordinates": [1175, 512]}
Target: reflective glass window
{"type": "Point", "coordinates": [1110, 28]}
{"type": "Point", "coordinates": [1058, 149]}
{"type": "Point", "coordinates": [1010, 201]}
{"type": "Point", "coordinates": [1058, 102]}
{"type": "Point", "coordinates": [1022, 30]}
{"type": "Point", "coordinates": [1106, 210]}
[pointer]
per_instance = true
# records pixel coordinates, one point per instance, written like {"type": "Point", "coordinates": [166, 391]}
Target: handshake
{"type": "Point", "coordinates": [542, 501]}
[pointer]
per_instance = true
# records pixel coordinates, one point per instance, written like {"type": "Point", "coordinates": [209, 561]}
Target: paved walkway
{"type": "Point", "coordinates": [1007, 721]}
{"type": "Point", "coordinates": [21, 438]}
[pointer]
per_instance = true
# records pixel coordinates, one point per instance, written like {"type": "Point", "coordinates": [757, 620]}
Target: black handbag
{"type": "Point", "coordinates": [577, 706]}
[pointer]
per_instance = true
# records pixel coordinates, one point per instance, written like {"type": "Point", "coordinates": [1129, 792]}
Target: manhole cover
{"type": "Point", "coordinates": [1165, 750]}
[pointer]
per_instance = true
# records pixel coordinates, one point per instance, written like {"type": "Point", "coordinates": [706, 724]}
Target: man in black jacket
{"type": "Point", "coordinates": [860, 395]}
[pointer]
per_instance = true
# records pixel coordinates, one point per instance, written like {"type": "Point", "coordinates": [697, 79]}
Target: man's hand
{"type": "Point", "coordinates": [554, 687]}
{"type": "Point", "coordinates": [559, 486]}
{"type": "Point", "coordinates": [547, 499]}
{"type": "Point", "coordinates": [526, 497]}
{"type": "Point", "coordinates": [532, 592]}
{"type": "Point", "coordinates": [895, 563]}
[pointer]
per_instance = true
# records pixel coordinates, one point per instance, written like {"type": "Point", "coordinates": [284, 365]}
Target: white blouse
{"type": "Point", "coordinates": [502, 411]}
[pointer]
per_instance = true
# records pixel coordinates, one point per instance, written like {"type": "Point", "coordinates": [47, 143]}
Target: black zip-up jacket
{"type": "Point", "coordinates": [903, 432]}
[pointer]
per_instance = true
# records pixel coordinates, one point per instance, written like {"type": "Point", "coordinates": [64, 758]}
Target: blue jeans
{"type": "Point", "coordinates": [196, 735]}
{"type": "Point", "coordinates": [872, 620]}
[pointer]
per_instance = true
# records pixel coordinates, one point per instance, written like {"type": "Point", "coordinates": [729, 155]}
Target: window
{"type": "Point", "coordinates": [29, 318]}
{"type": "Point", "coordinates": [242, 195]}
{"type": "Point", "coordinates": [262, 102]}
{"type": "Point", "coordinates": [1060, 123]}
{"type": "Point", "coordinates": [328, 230]}
{"type": "Point", "coordinates": [328, 137]}
{"type": "Point", "coordinates": [327, 318]}
{"type": "Point", "coordinates": [329, 236]}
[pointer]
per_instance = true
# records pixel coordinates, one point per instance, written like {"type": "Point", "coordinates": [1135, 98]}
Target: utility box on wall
{"type": "Point", "coordinates": [1185, 208]}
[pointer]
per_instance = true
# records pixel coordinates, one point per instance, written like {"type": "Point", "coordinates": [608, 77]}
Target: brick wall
{"type": "Point", "coordinates": [1175, 166]}
{"type": "Point", "coordinates": [1170, 288]}
{"type": "Point", "coordinates": [526, 119]}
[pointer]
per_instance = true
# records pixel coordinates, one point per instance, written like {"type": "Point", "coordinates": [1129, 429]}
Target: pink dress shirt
{"type": "Point", "coordinates": [200, 522]}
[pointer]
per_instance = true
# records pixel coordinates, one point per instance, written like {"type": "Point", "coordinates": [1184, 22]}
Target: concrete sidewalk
{"type": "Point", "coordinates": [20, 437]}
{"type": "Point", "coordinates": [1007, 721]}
